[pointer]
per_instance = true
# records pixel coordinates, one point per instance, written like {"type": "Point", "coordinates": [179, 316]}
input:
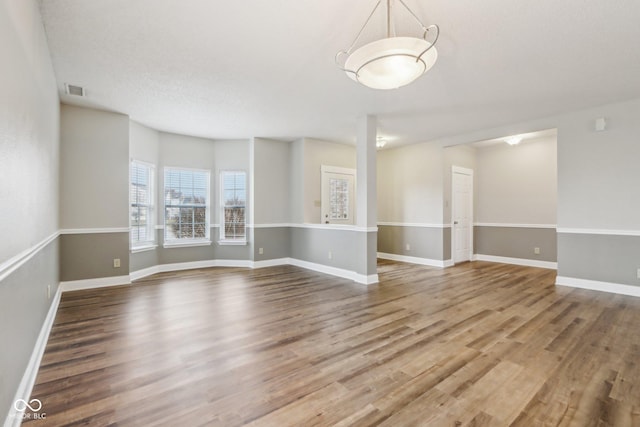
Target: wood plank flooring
{"type": "Point", "coordinates": [479, 344]}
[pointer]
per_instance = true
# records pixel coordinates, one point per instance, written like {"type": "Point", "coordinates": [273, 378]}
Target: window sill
{"type": "Point", "coordinates": [232, 242]}
{"type": "Point", "coordinates": [192, 243]}
{"type": "Point", "coordinates": [144, 248]}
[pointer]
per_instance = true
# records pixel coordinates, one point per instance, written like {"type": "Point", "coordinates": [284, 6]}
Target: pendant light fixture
{"type": "Point", "coordinates": [390, 62]}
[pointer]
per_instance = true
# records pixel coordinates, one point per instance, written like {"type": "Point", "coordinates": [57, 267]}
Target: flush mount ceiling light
{"type": "Point", "coordinates": [513, 140]}
{"type": "Point", "coordinates": [380, 142]}
{"type": "Point", "coordinates": [391, 62]}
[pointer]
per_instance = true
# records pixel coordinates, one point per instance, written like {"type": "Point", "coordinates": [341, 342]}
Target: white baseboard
{"type": "Point", "coordinates": [347, 274]}
{"type": "Point", "coordinates": [139, 274]}
{"type": "Point", "coordinates": [179, 266]}
{"type": "Point", "coordinates": [595, 285]}
{"type": "Point", "coordinates": [14, 418]}
{"type": "Point", "coordinates": [517, 261]}
{"type": "Point", "coordinates": [416, 260]}
{"type": "Point", "coordinates": [271, 263]}
{"type": "Point", "coordinates": [102, 282]}
{"type": "Point", "coordinates": [334, 271]}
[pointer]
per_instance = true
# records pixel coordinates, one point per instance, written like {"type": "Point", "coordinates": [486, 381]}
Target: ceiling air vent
{"type": "Point", "coordinates": [74, 90]}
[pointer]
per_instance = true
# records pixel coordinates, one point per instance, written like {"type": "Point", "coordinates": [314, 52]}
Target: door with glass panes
{"type": "Point", "coordinates": [338, 195]}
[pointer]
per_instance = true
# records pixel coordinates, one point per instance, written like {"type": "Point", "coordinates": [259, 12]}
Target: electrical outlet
{"type": "Point", "coordinates": [408, 247]}
{"type": "Point", "coordinates": [116, 263]}
{"type": "Point", "coordinates": [536, 251]}
{"type": "Point", "coordinates": [639, 273]}
{"type": "Point", "coordinates": [330, 255]}
{"type": "Point", "coordinates": [260, 251]}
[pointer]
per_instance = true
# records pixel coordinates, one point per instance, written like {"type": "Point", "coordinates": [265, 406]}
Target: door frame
{"type": "Point", "coordinates": [463, 171]}
{"type": "Point", "coordinates": [342, 171]}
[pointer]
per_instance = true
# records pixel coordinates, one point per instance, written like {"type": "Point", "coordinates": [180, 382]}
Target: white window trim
{"type": "Point", "coordinates": [182, 243]}
{"type": "Point", "coordinates": [151, 243]}
{"type": "Point", "coordinates": [223, 241]}
{"type": "Point", "coordinates": [136, 249]}
{"type": "Point", "coordinates": [236, 242]}
{"type": "Point", "coordinates": [337, 169]}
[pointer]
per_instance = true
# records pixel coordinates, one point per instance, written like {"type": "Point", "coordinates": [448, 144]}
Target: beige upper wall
{"type": "Point", "coordinates": [598, 172]}
{"type": "Point", "coordinates": [143, 143]}
{"type": "Point", "coordinates": [270, 188]}
{"type": "Point", "coordinates": [29, 131]}
{"type": "Point", "coordinates": [183, 151]}
{"type": "Point", "coordinates": [229, 156]}
{"type": "Point", "coordinates": [461, 156]}
{"type": "Point", "coordinates": [199, 153]}
{"type": "Point", "coordinates": [94, 174]}
{"type": "Point", "coordinates": [517, 184]}
{"type": "Point", "coordinates": [296, 181]}
{"type": "Point", "coordinates": [410, 184]}
{"type": "Point", "coordinates": [315, 154]}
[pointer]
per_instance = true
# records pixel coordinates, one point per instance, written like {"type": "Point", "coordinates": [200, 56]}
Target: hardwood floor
{"type": "Point", "coordinates": [479, 344]}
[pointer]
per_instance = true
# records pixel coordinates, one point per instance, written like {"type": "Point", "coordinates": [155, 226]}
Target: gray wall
{"type": "Point", "coordinates": [270, 192]}
{"type": "Point", "coordinates": [145, 259]}
{"type": "Point", "coordinates": [314, 244]}
{"type": "Point", "coordinates": [275, 242]}
{"type": "Point", "coordinates": [424, 242]}
{"type": "Point", "coordinates": [412, 199]}
{"type": "Point", "coordinates": [94, 178]}
{"type": "Point", "coordinates": [516, 242]}
{"type": "Point", "coordinates": [603, 258]}
{"type": "Point", "coordinates": [271, 198]}
{"type": "Point", "coordinates": [24, 304]}
{"type": "Point", "coordinates": [598, 191]}
{"type": "Point", "coordinates": [515, 186]}
{"type": "Point", "coordinates": [29, 161]}
{"type": "Point", "coordinates": [90, 256]}
{"type": "Point", "coordinates": [94, 182]}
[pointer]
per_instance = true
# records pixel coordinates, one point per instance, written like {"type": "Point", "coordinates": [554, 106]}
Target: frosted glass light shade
{"type": "Point", "coordinates": [390, 63]}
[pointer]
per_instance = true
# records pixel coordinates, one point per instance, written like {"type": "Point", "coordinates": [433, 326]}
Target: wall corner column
{"type": "Point", "coordinates": [367, 204]}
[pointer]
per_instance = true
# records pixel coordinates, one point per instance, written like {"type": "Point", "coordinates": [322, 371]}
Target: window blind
{"type": "Point", "coordinates": [234, 200]}
{"type": "Point", "coordinates": [186, 203]}
{"type": "Point", "coordinates": [141, 204]}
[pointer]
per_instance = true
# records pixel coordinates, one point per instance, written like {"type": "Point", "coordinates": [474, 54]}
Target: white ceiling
{"type": "Point", "coordinates": [243, 68]}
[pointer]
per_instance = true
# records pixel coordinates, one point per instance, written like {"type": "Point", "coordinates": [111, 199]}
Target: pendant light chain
{"type": "Point", "coordinates": [392, 61]}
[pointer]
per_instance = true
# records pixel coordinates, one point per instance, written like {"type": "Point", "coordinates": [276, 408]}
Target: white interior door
{"type": "Point", "coordinates": [338, 195]}
{"type": "Point", "coordinates": [462, 214]}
